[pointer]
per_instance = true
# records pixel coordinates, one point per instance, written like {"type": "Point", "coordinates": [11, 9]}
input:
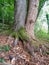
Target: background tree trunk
{"type": "Point", "coordinates": [32, 14]}
{"type": "Point", "coordinates": [20, 14]}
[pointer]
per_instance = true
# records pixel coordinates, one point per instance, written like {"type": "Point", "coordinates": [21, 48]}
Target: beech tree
{"type": "Point", "coordinates": [20, 15]}
{"type": "Point", "coordinates": [31, 18]}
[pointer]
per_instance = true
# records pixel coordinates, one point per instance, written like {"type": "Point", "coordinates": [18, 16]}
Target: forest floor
{"type": "Point", "coordinates": [22, 53]}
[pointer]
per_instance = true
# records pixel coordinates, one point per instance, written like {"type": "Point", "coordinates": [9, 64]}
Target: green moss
{"type": "Point", "coordinates": [23, 34]}
{"type": "Point", "coordinates": [14, 34]}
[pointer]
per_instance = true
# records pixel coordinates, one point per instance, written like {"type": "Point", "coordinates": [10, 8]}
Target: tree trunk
{"type": "Point", "coordinates": [19, 14]}
{"type": "Point", "coordinates": [32, 14]}
{"type": "Point", "coordinates": [47, 16]}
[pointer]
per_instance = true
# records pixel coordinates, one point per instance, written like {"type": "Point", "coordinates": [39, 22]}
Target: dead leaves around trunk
{"type": "Point", "coordinates": [21, 54]}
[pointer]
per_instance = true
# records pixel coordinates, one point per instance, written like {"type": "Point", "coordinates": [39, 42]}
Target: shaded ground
{"type": "Point", "coordinates": [22, 53]}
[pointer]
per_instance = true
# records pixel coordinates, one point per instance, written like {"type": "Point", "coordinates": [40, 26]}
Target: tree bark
{"type": "Point", "coordinates": [19, 14]}
{"type": "Point", "coordinates": [31, 19]}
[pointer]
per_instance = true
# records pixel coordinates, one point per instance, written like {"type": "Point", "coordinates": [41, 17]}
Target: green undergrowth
{"type": "Point", "coordinates": [47, 52]}
{"type": "Point", "coordinates": [21, 33]}
{"type": "Point", "coordinates": [2, 60]}
{"type": "Point", "coordinates": [42, 36]}
{"type": "Point", "coordinates": [5, 48]}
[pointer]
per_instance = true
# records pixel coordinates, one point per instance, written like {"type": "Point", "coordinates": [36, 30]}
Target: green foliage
{"type": "Point", "coordinates": [4, 27]}
{"type": "Point", "coordinates": [2, 60]}
{"type": "Point", "coordinates": [41, 35]}
{"type": "Point", "coordinates": [47, 16]}
{"type": "Point", "coordinates": [6, 32]}
{"type": "Point", "coordinates": [47, 52]}
{"type": "Point", "coordinates": [21, 33]}
{"type": "Point", "coordinates": [42, 23]}
{"type": "Point", "coordinates": [6, 14]}
{"type": "Point", "coordinates": [5, 48]}
{"type": "Point", "coordinates": [41, 3]}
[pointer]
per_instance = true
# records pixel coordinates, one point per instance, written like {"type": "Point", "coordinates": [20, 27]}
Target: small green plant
{"type": "Point", "coordinates": [47, 52]}
{"type": "Point", "coordinates": [5, 48]}
{"type": "Point", "coordinates": [2, 60]}
{"type": "Point", "coordinates": [1, 48]}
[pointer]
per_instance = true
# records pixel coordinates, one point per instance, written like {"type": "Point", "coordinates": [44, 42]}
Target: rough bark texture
{"type": "Point", "coordinates": [32, 14]}
{"type": "Point", "coordinates": [20, 14]}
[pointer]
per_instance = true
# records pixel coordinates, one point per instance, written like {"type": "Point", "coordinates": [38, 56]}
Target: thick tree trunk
{"type": "Point", "coordinates": [20, 14]}
{"type": "Point", "coordinates": [32, 14]}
